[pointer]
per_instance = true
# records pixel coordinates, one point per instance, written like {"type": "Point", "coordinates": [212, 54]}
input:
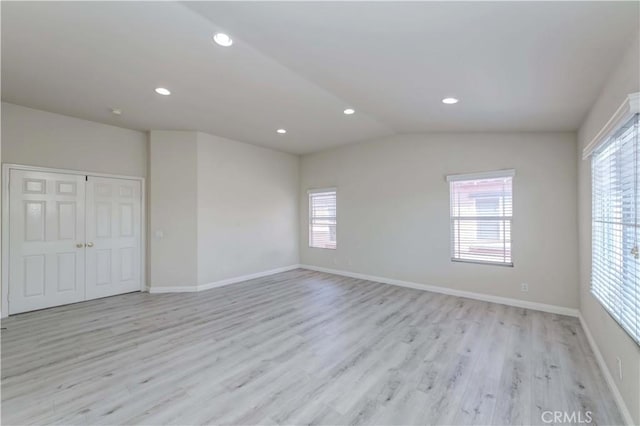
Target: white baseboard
{"type": "Point", "coordinates": [626, 414]}
{"type": "Point", "coordinates": [173, 289]}
{"type": "Point", "coordinates": [221, 283]}
{"type": "Point", "coordinates": [561, 310]}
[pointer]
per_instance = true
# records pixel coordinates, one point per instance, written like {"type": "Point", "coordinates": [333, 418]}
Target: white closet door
{"type": "Point", "coordinates": [113, 236]}
{"type": "Point", "coordinates": [46, 236]}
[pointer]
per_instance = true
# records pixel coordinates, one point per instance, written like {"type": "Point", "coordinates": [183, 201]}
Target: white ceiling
{"type": "Point", "coordinates": [517, 66]}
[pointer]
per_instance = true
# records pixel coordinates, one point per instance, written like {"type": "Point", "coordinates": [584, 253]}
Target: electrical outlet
{"type": "Point", "coordinates": [619, 367]}
{"type": "Point", "coordinates": [524, 287]}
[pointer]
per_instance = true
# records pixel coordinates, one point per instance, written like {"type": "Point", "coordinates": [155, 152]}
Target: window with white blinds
{"type": "Point", "coordinates": [481, 215]}
{"type": "Point", "coordinates": [615, 264]}
{"type": "Point", "coordinates": [322, 218]}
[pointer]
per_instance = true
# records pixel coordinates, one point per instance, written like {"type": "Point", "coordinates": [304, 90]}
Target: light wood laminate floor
{"type": "Point", "coordinates": [298, 347]}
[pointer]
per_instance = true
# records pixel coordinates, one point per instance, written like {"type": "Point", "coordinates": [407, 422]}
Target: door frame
{"type": "Point", "coordinates": [6, 170]}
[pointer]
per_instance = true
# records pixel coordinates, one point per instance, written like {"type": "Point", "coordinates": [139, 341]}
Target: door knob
{"type": "Point", "coordinates": [79, 245]}
{"type": "Point", "coordinates": [89, 244]}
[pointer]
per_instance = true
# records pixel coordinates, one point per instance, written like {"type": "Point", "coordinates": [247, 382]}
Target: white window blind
{"type": "Point", "coordinates": [322, 218]}
{"type": "Point", "coordinates": [615, 264]}
{"type": "Point", "coordinates": [481, 215]}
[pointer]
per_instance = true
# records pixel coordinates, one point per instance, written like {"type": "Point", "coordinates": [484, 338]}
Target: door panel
{"type": "Point", "coordinates": [67, 266]}
{"type": "Point", "coordinates": [113, 236]}
{"type": "Point", "coordinates": [46, 216]}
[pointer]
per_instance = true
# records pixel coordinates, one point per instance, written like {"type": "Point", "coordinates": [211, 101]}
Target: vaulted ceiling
{"type": "Point", "coordinates": [515, 66]}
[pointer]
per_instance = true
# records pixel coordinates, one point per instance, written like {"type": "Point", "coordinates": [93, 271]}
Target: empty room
{"type": "Point", "coordinates": [327, 213]}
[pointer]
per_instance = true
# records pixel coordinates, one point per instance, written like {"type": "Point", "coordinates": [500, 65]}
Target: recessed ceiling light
{"type": "Point", "coordinates": [450, 101]}
{"type": "Point", "coordinates": [349, 111]}
{"type": "Point", "coordinates": [116, 111]}
{"type": "Point", "coordinates": [281, 131]}
{"type": "Point", "coordinates": [222, 39]}
{"type": "Point", "coordinates": [162, 91]}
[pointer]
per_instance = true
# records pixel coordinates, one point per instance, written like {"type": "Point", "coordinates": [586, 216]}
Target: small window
{"type": "Point", "coordinates": [481, 215]}
{"type": "Point", "coordinates": [322, 218]}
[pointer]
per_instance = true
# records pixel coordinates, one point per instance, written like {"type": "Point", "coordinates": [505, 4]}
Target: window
{"type": "Point", "coordinates": [322, 218]}
{"type": "Point", "coordinates": [481, 214]}
{"type": "Point", "coordinates": [615, 266]}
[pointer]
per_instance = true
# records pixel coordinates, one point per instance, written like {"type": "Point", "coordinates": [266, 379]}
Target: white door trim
{"type": "Point", "coordinates": [6, 169]}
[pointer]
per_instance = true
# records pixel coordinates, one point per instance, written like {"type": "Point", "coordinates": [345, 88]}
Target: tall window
{"type": "Point", "coordinates": [615, 266]}
{"type": "Point", "coordinates": [481, 214]}
{"type": "Point", "coordinates": [322, 218]}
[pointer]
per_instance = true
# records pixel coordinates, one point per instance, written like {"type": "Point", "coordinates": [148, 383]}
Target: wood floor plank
{"type": "Point", "coordinates": [300, 347]}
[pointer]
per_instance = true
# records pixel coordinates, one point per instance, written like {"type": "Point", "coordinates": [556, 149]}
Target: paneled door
{"type": "Point", "coordinates": [46, 240]}
{"type": "Point", "coordinates": [113, 236]}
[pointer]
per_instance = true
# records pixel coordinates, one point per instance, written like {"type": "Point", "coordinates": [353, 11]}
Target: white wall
{"type": "Point", "coordinates": [40, 138]}
{"type": "Point", "coordinates": [611, 339]}
{"type": "Point", "coordinates": [173, 182]}
{"type": "Point", "coordinates": [393, 211]}
{"type": "Point", "coordinates": [247, 209]}
{"type": "Point", "coordinates": [226, 209]}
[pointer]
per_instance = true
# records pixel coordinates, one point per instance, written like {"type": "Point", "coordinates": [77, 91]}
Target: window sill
{"type": "Point", "coordinates": [480, 262]}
